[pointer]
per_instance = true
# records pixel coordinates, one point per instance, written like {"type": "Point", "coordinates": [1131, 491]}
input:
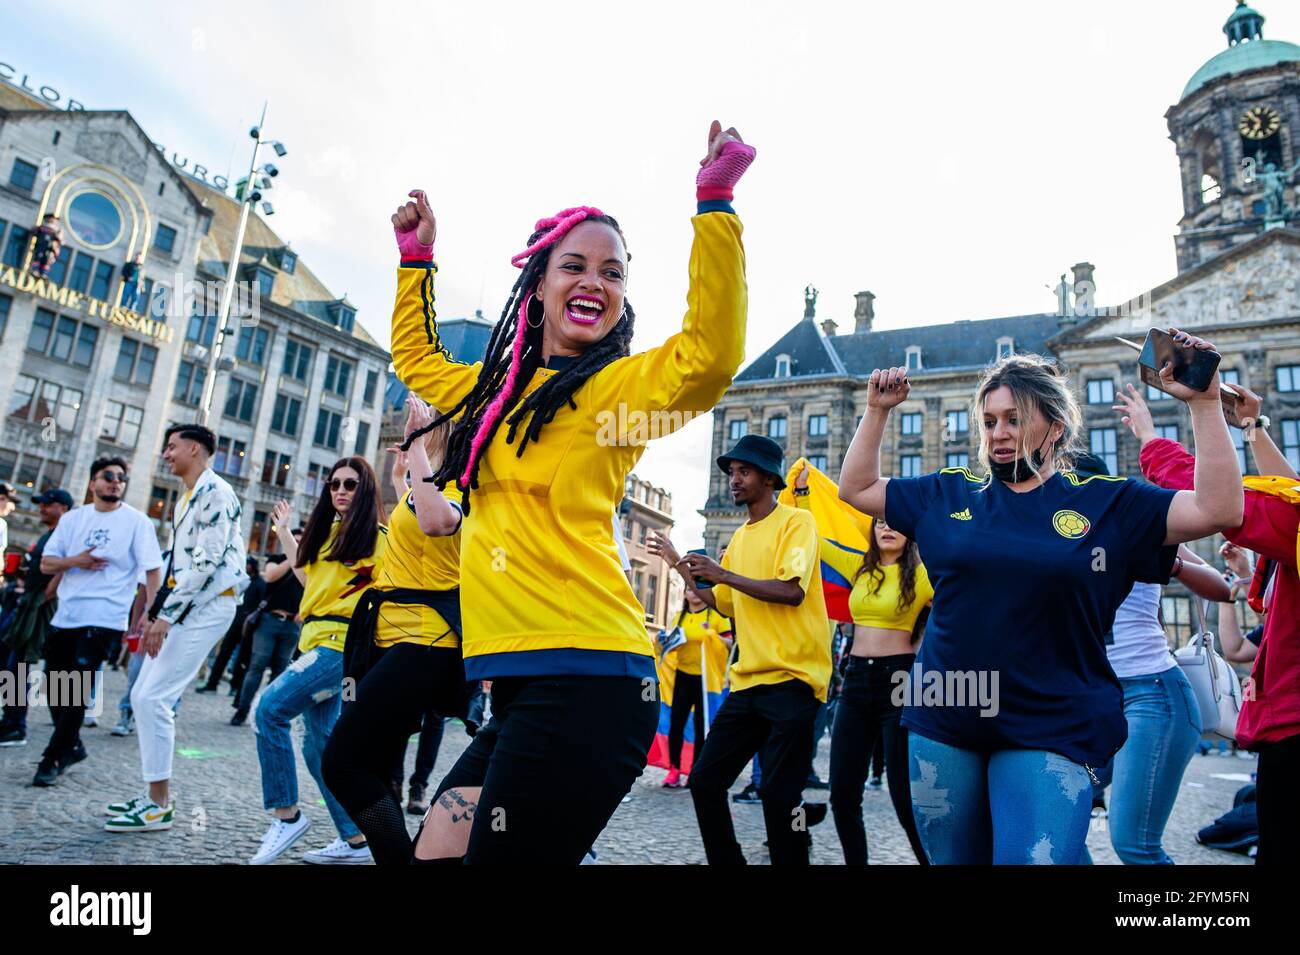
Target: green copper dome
{"type": "Point", "coordinates": [1247, 50]}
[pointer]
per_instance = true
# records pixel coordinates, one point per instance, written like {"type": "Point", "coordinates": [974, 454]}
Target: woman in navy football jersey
{"type": "Point", "coordinates": [1011, 705]}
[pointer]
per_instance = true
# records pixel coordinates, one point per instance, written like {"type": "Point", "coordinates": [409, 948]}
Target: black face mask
{"type": "Point", "coordinates": [1017, 470]}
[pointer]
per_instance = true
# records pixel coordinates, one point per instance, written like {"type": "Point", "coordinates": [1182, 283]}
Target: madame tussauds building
{"type": "Point", "coordinates": [111, 261]}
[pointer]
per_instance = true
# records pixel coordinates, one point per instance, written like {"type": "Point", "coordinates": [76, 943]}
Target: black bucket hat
{"type": "Point", "coordinates": [764, 453]}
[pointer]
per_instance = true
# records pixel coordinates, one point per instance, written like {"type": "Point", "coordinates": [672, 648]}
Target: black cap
{"type": "Point", "coordinates": [7, 490]}
{"type": "Point", "coordinates": [764, 453]}
{"type": "Point", "coordinates": [55, 495]}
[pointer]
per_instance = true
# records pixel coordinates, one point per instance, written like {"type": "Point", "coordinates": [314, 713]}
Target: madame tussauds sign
{"type": "Point", "coordinates": [81, 302]}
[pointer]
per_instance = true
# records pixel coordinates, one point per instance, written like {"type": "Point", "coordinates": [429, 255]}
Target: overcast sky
{"type": "Point", "coordinates": [952, 157]}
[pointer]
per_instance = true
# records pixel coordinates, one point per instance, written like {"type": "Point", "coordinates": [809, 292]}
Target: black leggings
{"type": "Point", "coordinates": [403, 682]}
{"type": "Point", "coordinates": [1276, 786]}
{"type": "Point", "coordinates": [557, 758]}
{"type": "Point", "coordinates": [864, 716]}
{"type": "Point", "coordinates": [688, 696]}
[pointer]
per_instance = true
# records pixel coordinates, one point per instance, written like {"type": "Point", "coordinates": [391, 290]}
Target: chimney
{"type": "Point", "coordinates": [864, 313]}
{"type": "Point", "coordinates": [829, 327]}
{"type": "Point", "coordinates": [1085, 290]}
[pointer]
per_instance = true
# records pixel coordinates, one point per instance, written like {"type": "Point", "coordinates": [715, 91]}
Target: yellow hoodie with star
{"type": "Point", "coordinates": [542, 590]}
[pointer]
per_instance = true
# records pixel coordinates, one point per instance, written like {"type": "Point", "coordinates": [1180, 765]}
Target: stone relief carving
{"type": "Point", "coordinates": [1265, 286]}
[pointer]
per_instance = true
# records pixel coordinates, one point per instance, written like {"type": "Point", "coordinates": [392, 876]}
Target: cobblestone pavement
{"type": "Point", "coordinates": [219, 817]}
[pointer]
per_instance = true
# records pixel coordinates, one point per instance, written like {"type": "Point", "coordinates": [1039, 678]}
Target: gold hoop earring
{"type": "Point", "coordinates": [528, 308]}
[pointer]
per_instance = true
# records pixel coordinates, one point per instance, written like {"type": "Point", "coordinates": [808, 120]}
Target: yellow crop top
{"type": "Point", "coordinates": [879, 609]}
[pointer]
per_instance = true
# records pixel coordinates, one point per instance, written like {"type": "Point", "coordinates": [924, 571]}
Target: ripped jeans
{"type": "Point", "coordinates": [1009, 807]}
{"type": "Point", "coordinates": [311, 688]}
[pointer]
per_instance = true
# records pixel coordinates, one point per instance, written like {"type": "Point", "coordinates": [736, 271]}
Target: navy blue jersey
{"type": "Point", "coordinates": [1025, 589]}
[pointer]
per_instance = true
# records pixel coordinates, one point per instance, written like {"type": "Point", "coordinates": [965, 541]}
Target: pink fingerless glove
{"type": "Point", "coordinates": [716, 180]}
{"type": "Point", "coordinates": [411, 248]}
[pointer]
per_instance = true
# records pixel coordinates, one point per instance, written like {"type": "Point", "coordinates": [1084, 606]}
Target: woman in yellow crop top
{"type": "Point", "coordinates": [402, 651]}
{"type": "Point", "coordinates": [338, 558]}
{"type": "Point", "coordinates": [545, 430]}
{"type": "Point", "coordinates": [891, 591]}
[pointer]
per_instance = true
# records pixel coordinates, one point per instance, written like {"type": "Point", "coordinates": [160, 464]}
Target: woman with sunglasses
{"type": "Point", "coordinates": [890, 592]}
{"type": "Point", "coordinates": [403, 651]}
{"type": "Point", "coordinates": [341, 554]}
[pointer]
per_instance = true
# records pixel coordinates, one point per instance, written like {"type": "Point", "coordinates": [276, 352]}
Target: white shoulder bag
{"type": "Point", "coordinates": [1214, 682]}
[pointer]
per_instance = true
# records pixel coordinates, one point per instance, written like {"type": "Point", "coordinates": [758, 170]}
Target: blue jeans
{"type": "Point", "coordinates": [311, 688]}
{"type": "Point", "coordinates": [1164, 725]}
{"type": "Point", "coordinates": [1009, 807]}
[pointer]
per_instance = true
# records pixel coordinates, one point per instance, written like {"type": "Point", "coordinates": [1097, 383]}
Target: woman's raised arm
{"type": "Point", "coordinates": [419, 357]}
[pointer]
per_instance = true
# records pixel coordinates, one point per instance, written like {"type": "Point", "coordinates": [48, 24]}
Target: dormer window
{"type": "Point", "coordinates": [342, 314]}
{"type": "Point", "coordinates": [263, 275]}
{"type": "Point", "coordinates": [288, 261]}
{"type": "Point", "coordinates": [913, 358]}
{"type": "Point", "coordinates": [782, 366]}
{"type": "Point", "coordinates": [1005, 347]}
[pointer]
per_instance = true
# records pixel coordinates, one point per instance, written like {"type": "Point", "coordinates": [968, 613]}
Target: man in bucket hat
{"type": "Point", "coordinates": [769, 583]}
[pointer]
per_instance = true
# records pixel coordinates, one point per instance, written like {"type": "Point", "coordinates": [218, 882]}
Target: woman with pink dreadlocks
{"type": "Point", "coordinates": [547, 612]}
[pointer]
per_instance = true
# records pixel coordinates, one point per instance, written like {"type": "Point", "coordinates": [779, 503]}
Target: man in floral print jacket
{"type": "Point", "coordinates": [206, 577]}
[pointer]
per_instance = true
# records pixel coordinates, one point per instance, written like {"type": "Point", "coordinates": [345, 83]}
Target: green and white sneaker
{"type": "Point", "coordinates": [147, 817]}
{"type": "Point", "coordinates": [131, 805]}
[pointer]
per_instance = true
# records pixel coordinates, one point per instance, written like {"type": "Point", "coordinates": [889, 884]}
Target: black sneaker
{"type": "Point", "coordinates": [13, 737]}
{"type": "Point", "coordinates": [239, 718]}
{"type": "Point", "coordinates": [747, 795]}
{"type": "Point", "coordinates": [816, 782]}
{"type": "Point", "coordinates": [205, 688]}
{"type": "Point", "coordinates": [47, 773]}
{"type": "Point", "coordinates": [76, 756]}
{"type": "Point", "coordinates": [416, 804]}
{"type": "Point", "coordinates": [815, 813]}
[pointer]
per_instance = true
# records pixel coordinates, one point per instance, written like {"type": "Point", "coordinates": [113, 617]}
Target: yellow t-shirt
{"type": "Point", "coordinates": [778, 642]}
{"type": "Point", "coordinates": [542, 588]}
{"type": "Point", "coordinates": [417, 561]}
{"type": "Point", "coordinates": [702, 625]}
{"type": "Point", "coordinates": [332, 591]}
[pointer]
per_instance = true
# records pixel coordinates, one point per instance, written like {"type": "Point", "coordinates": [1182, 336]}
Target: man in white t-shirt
{"type": "Point", "coordinates": [100, 549]}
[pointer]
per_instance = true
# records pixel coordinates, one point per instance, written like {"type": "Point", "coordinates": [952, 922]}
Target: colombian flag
{"type": "Point", "coordinates": [838, 525]}
{"type": "Point", "coordinates": [714, 660]}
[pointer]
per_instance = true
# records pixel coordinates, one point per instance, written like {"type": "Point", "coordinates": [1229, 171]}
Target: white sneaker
{"type": "Point", "coordinates": [124, 726]}
{"type": "Point", "coordinates": [279, 837]}
{"type": "Point", "coordinates": [90, 720]}
{"type": "Point", "coordinates": [146, 817]}
{"type": "Point", "coordinates": [338, 852]}
{"type": "Point", "coordinates": [131, 805]}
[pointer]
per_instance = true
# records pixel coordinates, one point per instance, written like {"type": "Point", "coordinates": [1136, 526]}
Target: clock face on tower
{"type": "Point", "coordinates": [1259, 122]}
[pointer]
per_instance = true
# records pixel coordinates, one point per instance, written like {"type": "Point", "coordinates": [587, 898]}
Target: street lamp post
{"type": "Point", "coordinates": [250, 196]}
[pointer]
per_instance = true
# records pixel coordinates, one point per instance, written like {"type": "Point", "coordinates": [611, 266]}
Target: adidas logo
{"type": "Point", "coordinates": [962, 515]}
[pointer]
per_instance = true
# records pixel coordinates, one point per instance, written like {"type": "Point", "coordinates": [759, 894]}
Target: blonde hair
{"type": "Point", "coordinates": [1036, 384]}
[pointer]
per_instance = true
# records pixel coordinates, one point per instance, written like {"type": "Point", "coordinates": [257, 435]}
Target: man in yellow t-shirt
{"type": "Point", "coordinates": [769, 583]}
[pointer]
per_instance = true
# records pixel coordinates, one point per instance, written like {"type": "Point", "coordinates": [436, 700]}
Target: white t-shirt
{"type": "Point", "coordinates": [102, 598]}
{"type": "Point", "coordinates": [1140, 646]}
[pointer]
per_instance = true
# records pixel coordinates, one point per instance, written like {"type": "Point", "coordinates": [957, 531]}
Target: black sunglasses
{"type": "Point", "coordinates": [113, 477]}
{"type": "Point", "coordinates": [348, 484]}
